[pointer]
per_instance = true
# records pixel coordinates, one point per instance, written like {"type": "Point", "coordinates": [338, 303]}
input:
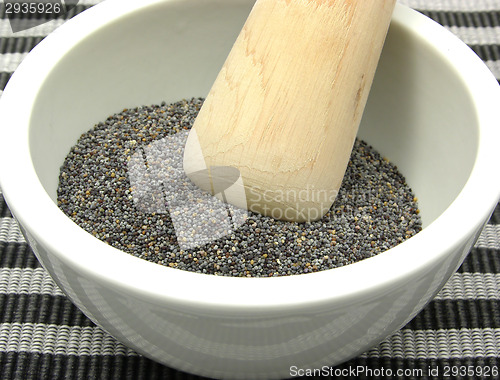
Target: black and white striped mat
{"type": "Point", "coordinates": [44, 336]}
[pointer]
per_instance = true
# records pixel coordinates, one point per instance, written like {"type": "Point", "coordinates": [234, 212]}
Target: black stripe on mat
{"type": "Point", "coordinates": [481, 260]}
{"type": "Point", "coordinates": [4, 209]}
{"type": "Point", "coordinates": [457, 314]}
{"type": "Point", "coordinates": [495, 217]}
{"type": "Point", "coordinates": [29, 366]}
{"type": "Point", "coordinates": [41, 309]}
{"type": "Point", "coordinates": [4, 78]}
{"type": "Point", "coordinates": [17, 255]}
{"type": "Point", "coordinates": [487, 52]}
{"type": "Point", "coordinates": [19, 44]}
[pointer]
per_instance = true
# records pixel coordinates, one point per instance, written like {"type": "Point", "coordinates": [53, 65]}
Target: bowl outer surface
{"type": "Point", "coordinates": [84, 266]}
{"type": "Point", "coordinates": [16, 149]}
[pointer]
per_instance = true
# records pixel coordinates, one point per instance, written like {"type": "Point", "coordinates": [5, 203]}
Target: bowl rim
{"type": "Point", "coordinates": [93, 259]}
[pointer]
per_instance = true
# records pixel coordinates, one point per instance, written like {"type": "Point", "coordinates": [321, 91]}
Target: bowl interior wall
{"type": "Point", "coordinates": [419, 114]}
{"type": "Point", "coordinates": [422, 117]}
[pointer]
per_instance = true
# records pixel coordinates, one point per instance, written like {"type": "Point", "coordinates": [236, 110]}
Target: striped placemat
{"type": "Point", "coordinates": [44, 336]}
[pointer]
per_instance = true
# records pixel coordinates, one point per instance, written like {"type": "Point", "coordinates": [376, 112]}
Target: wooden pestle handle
{"type": "Point", "coordinates": [286, 106]}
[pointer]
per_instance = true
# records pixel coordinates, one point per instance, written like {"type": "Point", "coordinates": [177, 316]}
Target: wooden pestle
{"type": "Point", "coordinates": [284, 111]}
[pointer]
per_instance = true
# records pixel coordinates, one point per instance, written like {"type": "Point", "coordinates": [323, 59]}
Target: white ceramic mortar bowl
{"type": "Point", "coordinates": [431, 111]}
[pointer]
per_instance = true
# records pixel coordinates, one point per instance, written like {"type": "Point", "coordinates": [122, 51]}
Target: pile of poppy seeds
{"type": "Point", "coordinates": [374, 210]}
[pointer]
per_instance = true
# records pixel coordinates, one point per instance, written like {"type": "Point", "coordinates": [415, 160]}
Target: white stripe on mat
{"type": "Point", "coordinates": [27, 281]}
{"type": "Point", "coordinates": [59, 340]}
{"type": "Point", "coordinates": [477, 36]}
{"type": "Point", "coordinates": [471, 286]}
{"type": "Point", "coordinates": [490, 237]}
{"type": "Point", "coordinates": [454, 5]}
{"type": "Point", "coordinates": [10, 61]}
{"type": "Point", "coordinates": [9, 231]}
{"type": "Point", "coordinates": [439, 344]}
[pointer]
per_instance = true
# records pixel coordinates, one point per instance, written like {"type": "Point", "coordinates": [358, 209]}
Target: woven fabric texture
{"type": "Point", "coordinates": [44, 336]}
